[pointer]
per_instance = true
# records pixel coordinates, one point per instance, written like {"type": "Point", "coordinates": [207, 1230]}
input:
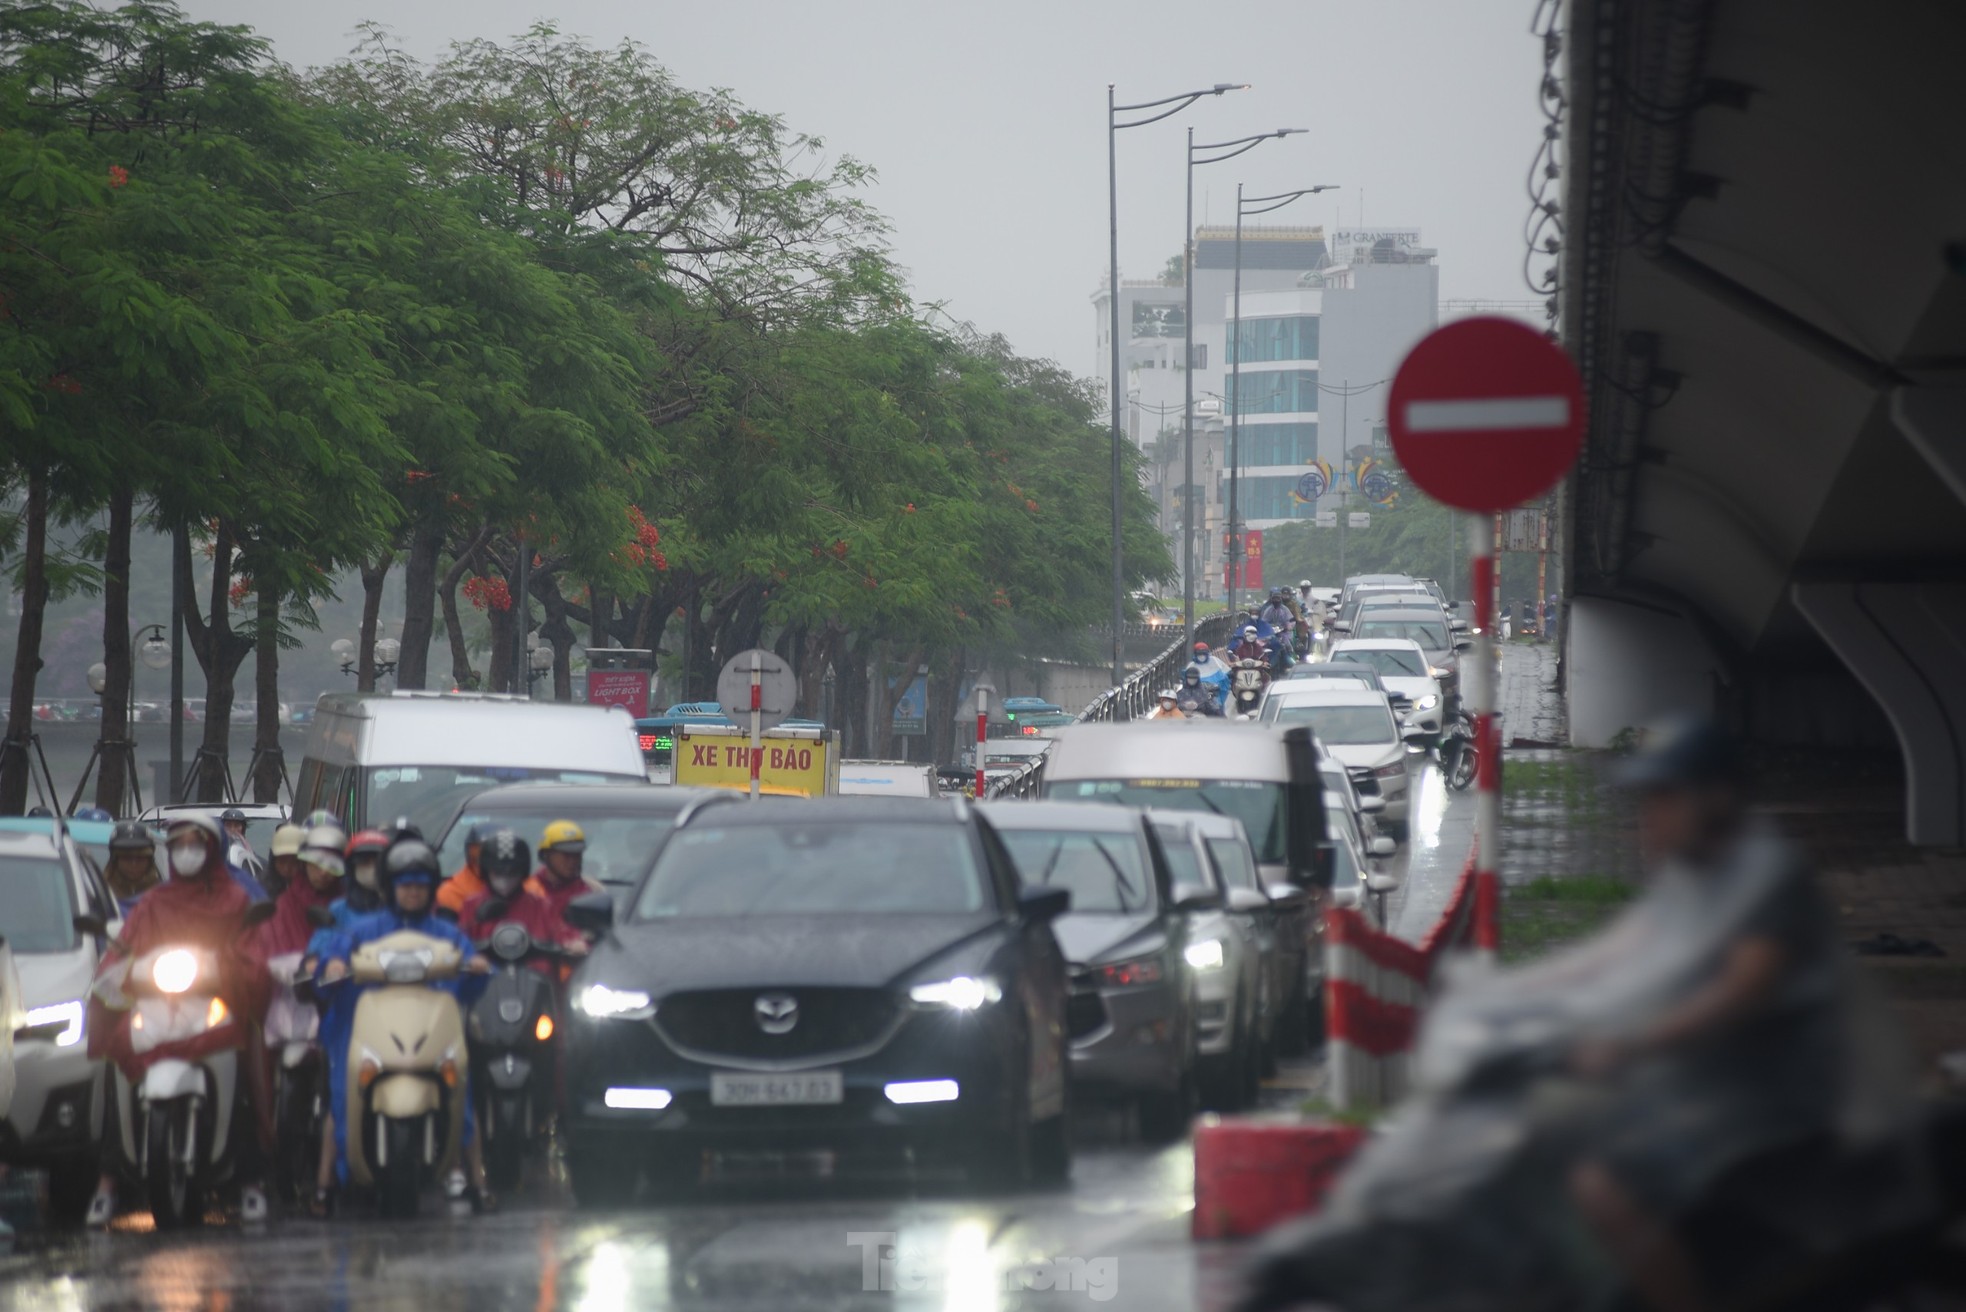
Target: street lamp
{"type": "Point", "coordinates": [1211, 153]}
{"type": "Point", "coordinates": [1169, 106]}
{"type": "Point", "coordinates": [385, 654]}
{"type": "Point", "coordinates": [1263, 205]}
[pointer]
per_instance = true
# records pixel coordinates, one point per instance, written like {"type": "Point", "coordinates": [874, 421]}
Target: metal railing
{"type": "Point", "coordinates": [1129, 701]}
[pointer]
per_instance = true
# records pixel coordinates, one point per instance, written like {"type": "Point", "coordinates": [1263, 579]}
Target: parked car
{"type": "Point", "coordinates": [1358, 728]}
{"type": "Point", "coordinates": [1134, 1036]}
{"type": "Point", "coordinates": [857, 975]}
{"type": "Point", "coordinates": [1230, 957]}
{"type": "Point", "coordinates": [625, 827]}
{"type": "Point", "coordinates": [58, 917]}
{"type": "Point", "coordinates": [1358, 877]}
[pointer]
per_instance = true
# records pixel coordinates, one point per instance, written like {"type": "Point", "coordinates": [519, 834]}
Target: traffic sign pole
{"type": "Point", "coordinates": [1479, 688]}
{"type": "Point", "coordinates": [757, 720]}
{"type": "Point", "coordinates": [982, 734]}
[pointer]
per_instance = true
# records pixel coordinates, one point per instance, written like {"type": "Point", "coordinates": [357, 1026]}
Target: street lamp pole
{"type": "Point", "coordinates": [1168, 106]}
{"type": "Point", "coordinates": [1229, 150]}
{"type": "Point", "coordinates": [1265, 204]}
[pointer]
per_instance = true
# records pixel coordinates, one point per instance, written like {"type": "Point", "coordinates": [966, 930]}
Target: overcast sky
{"type": "Point", "coordinates": [986, 121]}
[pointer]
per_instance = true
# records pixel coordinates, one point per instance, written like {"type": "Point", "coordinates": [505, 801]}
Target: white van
{"type": "Point", "coordinates": [373, 757]}
{"type": "Point", "coordinates": [886, 779]}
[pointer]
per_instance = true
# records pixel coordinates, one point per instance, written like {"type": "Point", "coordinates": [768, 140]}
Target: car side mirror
{"type": "Point", "coordinates": [91, 925]}
{"type": "Point", "coordinates": [259, 913]}
{"type": "Point", "coordinates": [1459, 626]}
{"type": "Point", "coordinates": [1343, 626]}
{"type": "Point", "coordinates": [1382, 883]}
{"type": "Point", "coordinates": [320, 917]}
{"type": "Point", "coordinates": [1371, 804]}
{"type": "Point", "coordinates": [1039, 905]}
{"type": "Point", "coordinates": [1287, 896]}
{"type": "Point", "coordinates": [591, 913]}
{"type": "Point", "coordinates": [1381, 845]}
{"type": "Point", "coordinates": [1463, 644]}
{"type": "Point", "coordinates": [1195, 897]}
{"type": "Point", "coordinates": [1246, 900]}
{"type": "Point", "coordinates": [1351, 898]}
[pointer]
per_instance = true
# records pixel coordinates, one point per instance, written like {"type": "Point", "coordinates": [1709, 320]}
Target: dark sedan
{"type": "Point", "coordinates": [843, 976]}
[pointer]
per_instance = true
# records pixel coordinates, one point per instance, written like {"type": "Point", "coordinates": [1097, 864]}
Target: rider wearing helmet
{"type": "Point", "coordinates": [1251, 647]}
{"type": "Point", "coordinates": [409, 879]}
{"type": "Point", "coordinates": [468, 882]}
{"type": "Point", "coordinates": [562, 852]}
{"type": "Point", "coordinates": [1195, 697]}
{"type": "Point", "coordinates": [284, 852]}
{"type": "Point", "coordinates": [200, 906]}
{"type": "Point", "coordinates": [505, 863]}
{"type": "Point", "coordinates": [1165, 708]}
{"type": "Point", "coordinates": [132, 868]}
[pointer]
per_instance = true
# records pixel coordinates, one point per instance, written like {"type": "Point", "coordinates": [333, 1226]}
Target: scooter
{"type": "Point", "coordinates": [300, 1101]}
{"type": "Point", "coordinates": [1459, 758]}
{"type": "Point", "coordinates": [1247, 680]}
{"type": "Point", "coordinates": [512, 1051]}
{"type": "Point", "coordinates": [406, 1069]}
{"type": "Point", "coordinates": [176, 1121]}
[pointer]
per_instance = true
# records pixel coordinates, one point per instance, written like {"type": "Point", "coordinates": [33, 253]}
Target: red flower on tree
{"type": "Point", "coordinates": [65, 384]}
{"type": "Point", "coordinates": [240, 592]}
{"type": "Point", "coordinates": [839, 549]}
{"type": "Point", "coordinates": [487, 593]}
{"type": "Point", "coordinates": [118, 175]}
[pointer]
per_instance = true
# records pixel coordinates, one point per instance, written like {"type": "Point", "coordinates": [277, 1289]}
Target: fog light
{"type": "Point", "coordinates": [913, 1091]}
{"type": "Point", "coordinates": [637, 1100]}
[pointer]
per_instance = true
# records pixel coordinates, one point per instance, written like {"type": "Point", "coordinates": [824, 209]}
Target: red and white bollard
{"type": "Point", "coordinates": [757, 720]}
{"type": "Point", "coordinates": [982, 733]}
{"type": "Point", "coordinates": [1478, 688]}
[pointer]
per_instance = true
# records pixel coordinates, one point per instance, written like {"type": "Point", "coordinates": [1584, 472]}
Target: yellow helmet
{"type": "Point", "coordinates": [563, 836]}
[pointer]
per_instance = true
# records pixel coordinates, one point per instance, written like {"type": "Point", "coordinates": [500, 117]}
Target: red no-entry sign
{"type": "Point", "coordinates": [1486, 413]}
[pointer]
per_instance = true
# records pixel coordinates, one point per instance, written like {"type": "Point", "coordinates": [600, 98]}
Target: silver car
{"type": "Point", "coordinates": [1239, 971]}
{"type": "Point", "coordinates": [1126, 938]}
{"type": "Point", "coordinates": [57, 915]}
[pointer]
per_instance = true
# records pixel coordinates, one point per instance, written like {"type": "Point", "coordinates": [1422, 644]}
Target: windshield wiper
{"type": "Point", "coordinates": [1126, 888]}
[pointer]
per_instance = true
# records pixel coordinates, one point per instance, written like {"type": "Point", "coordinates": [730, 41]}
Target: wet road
{"type": "Point", "coordinates": [1118, 1235]}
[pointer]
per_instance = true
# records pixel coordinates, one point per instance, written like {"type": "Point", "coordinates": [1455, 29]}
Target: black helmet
{"type": "Point", "coordinates": [504, 853]}
{"type": "Point", "coordinates": [232, 813]}
{"type": "Point", "coordinates": [409, 857]}
{"type": "Point", "coordinates": [131, 836]}
{"type": "Point", "coordinates": [403, 827]}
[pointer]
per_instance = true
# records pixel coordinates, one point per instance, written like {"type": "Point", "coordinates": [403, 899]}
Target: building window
{"type": "Point", "coordinates": [1199, 360]}
{"type": "Point", "coordinates": [1294, 338]}
{"type": "Point", "coordinates": [1276, 444]}
{"type": "Point", "coordinates": [1269, 498]}
{"type": "Point", "coordinates": [1284, 391]}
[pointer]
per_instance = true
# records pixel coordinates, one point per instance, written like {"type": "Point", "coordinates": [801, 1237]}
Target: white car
{"type": "Point", "coordinates": [1355, 726]}
{"type": "Point", "coordinates": [1409, 679]}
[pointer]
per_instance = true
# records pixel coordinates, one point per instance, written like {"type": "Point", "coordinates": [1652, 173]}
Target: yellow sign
{"type": "Point", "coordinates": [799, 767]}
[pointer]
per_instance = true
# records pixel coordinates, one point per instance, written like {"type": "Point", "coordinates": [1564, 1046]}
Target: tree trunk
{"type": "Point", "coordinates": [271, 770]}
{"type": "Point", "coordinates": [112, 778]}
{"type": "Point", "coordinates": [498, 670]}
{"type": "Point", "coordinates": [600, 617]}
{"type": "Point", "coordinates": [420, 600]}
{"type": "Point", "coordinates": [557, 631]}
{"type": "Point", "coordinates": [850, 691]}
{"type": "Point", "coordinates": [17, 767]}
{"type": "Point", "coordinates": [373, 577]}
{"type": "Point", "coordinates": [220, 652]}
{"type": "Point", "coordinates": [891, 693]}
{"type": "Point", "coordinates": [462, 675]}
{"type": "Point", "coordinates": [944, 683]}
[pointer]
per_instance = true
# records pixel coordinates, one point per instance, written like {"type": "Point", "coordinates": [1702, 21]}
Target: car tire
{"type": "Point", "coordinates": [599, 1177]}
{"type": "Point", "coordinates": [1000, 1159]}
{"type": "Point", "coordinates": [1051, 1140]}
{"type": "Point", "coordinates": [1165, 1116]}
{"type": "Point", "coordinates": [1294, 1025]}
{"type": "Point", "coordinates": [71, 1184]}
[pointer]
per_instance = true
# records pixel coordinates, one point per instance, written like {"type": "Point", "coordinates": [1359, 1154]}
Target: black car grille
{"type": "Point", "coordinates": [1085, 1010]}
{"type": "Point", "coordinates": [726, 1021]}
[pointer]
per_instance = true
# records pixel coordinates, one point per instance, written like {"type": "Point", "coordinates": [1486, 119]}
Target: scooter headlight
{"type": "Point", "coordinates": [175, 971]}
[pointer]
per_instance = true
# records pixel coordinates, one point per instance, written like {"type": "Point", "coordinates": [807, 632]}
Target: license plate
{"type": "Point", "coordinates": [805, 1089]}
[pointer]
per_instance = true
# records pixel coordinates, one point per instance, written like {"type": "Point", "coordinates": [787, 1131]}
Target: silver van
{"type": "Point", "coordinates": [1266, 777]}
{"type": "Point", "coordinates": [373, 757]}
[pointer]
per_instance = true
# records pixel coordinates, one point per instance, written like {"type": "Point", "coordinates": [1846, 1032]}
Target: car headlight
{"type": "Point", "coordinates": [174, 971]}
{"type": "Point", "coordinates": [1393, 771]}
{"type": "Point", "coordinates": [1426, 703]}
{"type": "Point", "coordinates": [1205, 955]}
{"type": "Point", "coordinates": [604, 1003]}
{"type": "Point", "coordinates": [1436, 672]}
{"type": "Point", "coordinates": [61, 1022]}
{"type": "Point", "coordinates": [963, 993]}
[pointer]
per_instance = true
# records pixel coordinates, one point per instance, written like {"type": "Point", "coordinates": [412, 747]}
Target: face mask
{"type": "Point", "coordinates": [187, 861]}
{"type": "Point", "coordinates": [505, 885]}
{"type": "Point", "coordinates": [365, 873]}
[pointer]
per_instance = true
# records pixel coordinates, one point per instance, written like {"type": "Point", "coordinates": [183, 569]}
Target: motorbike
{"type": "Point", "coordinates": [300, 1096]}
{"type": "Point", "coordinates": [177, 1121]}
{"type": "Point", "coordinates": [1459, 759]}
{"type": "Point", "coordinates": [1247, 680]}
{"type": "Point", "coordinates": [512, 1053]}
{"type": "Point", "coordinates": [406, 1068]}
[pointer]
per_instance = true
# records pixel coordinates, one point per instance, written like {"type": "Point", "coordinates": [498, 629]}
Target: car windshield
{"type": "Point", "coordinates": [1430, 634]}
{"type": "Point", "coordinates": [1338, 726]}
{"type": "Point", "coordinates": [1259, 804]}
{"type": "Point", "coordinates": [1232, 859]}
{"type": "Point", "coordinates": [430, 794]}
{"type": "Point", "coordinates": [37, 905]}
{"type": "Point", "coordinates": [1394, 662]}
{"type": "Point", "coordinates": [814, 867]}
{"type": "Point", "coordinates": [1183, 866]}
{"type": "Point", "coordinates": [1358, 678]}
{"type": "Point", "coordinates": [1106, 873]}
{"type": "Point", "coordinates": [619, 847]}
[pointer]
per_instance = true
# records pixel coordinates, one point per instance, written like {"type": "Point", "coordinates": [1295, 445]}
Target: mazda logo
{"type": "Point", "coordinates": [777, 1013]}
